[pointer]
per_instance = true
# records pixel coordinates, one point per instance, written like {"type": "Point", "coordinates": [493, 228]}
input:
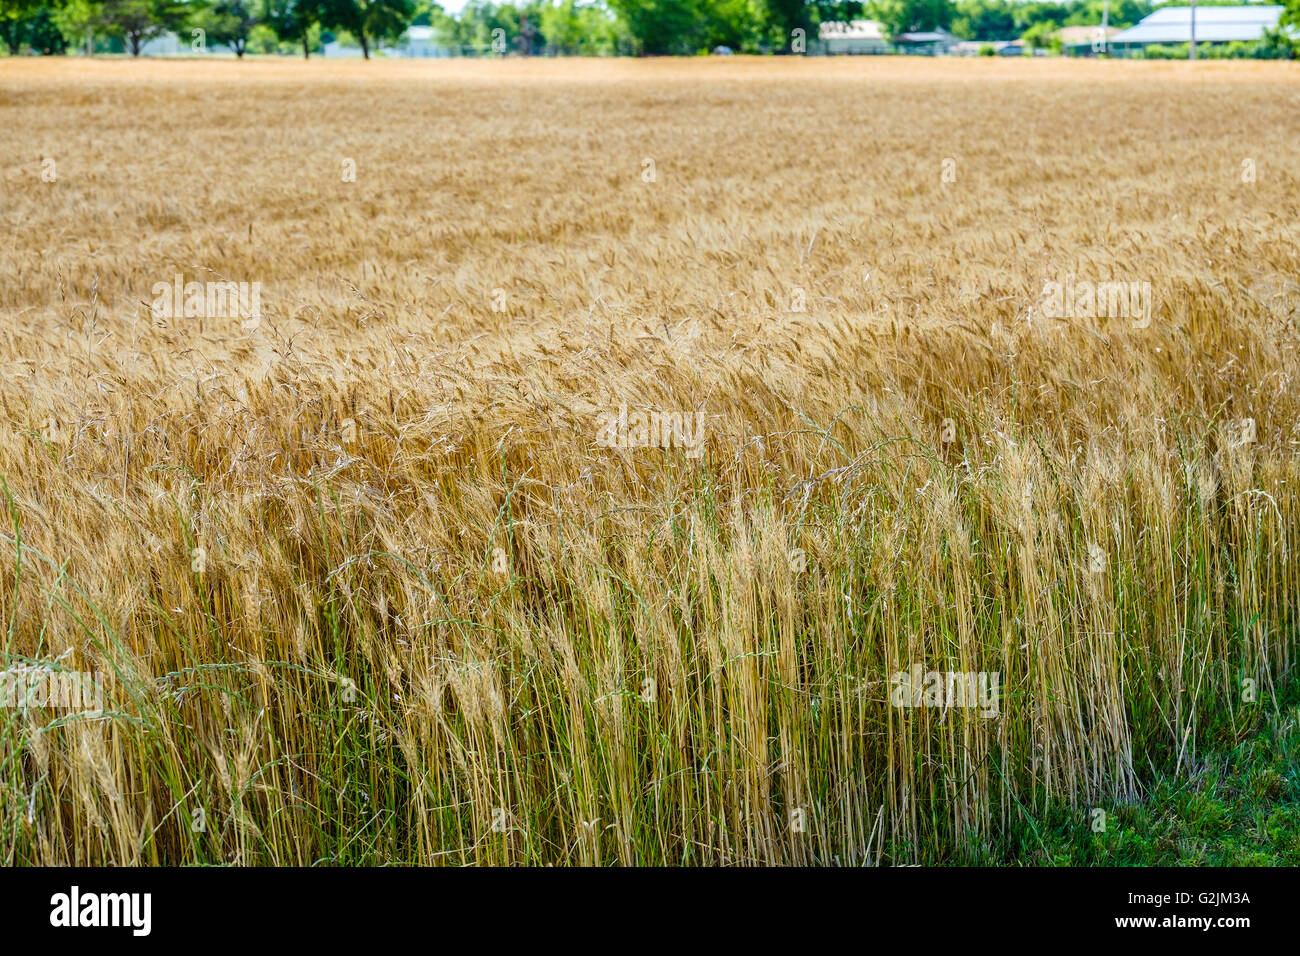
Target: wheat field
{"type": "Point", "coordinates": [365, 583]}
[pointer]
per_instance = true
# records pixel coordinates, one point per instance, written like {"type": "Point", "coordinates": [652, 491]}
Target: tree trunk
{"type": "Point", "coordinates": [365, 47]}
{"type": "Point", "coordinates": [306, 51]}
{"type": "Point", "coordinates": [135, 43]}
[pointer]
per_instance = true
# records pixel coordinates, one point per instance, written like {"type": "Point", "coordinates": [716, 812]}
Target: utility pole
{"type": "Point", "coordinates": [1191, 47]}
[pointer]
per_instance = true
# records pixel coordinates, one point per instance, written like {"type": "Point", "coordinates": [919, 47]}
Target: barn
{"type": "Point", "coordinates": [1171, 25]}
{"type": "Point", "coordinates": [856, 36]}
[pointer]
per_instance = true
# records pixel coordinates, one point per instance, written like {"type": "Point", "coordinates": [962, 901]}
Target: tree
{"type": "Point", "coordinates": [578, 28]}
{"type": "Point", "coordinates": [136, 21]}
{"type": "Point", "coordinates": [664, 26]}
{"type": "Point", "coordinates": [984, 20]}
{"type": "Point", "coordinates": [1039, 35]}
{"type": "Point", "coordinates": [229, 22]}
{"type": "Point", "coordinates": [837, 11]}
{"type": "Point", "coordinates": [368, 19]}
{"type": "Point", "coordinates": [293, 20]}
{"type": "Point", "coordinates": [76, 20]}
{"type": "Point", "coordinates": [1287, 35]}
{"type": "Point", "coordinates": [742, 24]}
{"type": "Point", "coordinates": [478, 22]}
{"type": "Point", "coordinates": [563, 27]}
{"type": "Point", "coordinates": [906, 16]}
{"type": "Point", "coordinates": [1123, 13]}
{"type": "Point", "coordinates": [785, 16]}
{"type": "Point", "coordinates": [14, 17]}
{"type": "Point", "coordinates": [1028, 14]}
{"type": "Point", "coordinates": [42, 33]}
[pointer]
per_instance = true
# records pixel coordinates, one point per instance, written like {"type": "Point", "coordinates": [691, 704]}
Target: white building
{"type": "Point", "coordinates": [1170, 25]}
{"type": "Point", "coordinates": [856, 36]}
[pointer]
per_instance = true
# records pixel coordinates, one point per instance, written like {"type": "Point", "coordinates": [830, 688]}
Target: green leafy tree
{"type": "Point", "coordinates": [228, 22]}
{"type": "Point", "coordinates": [43, 34]}
{"type": "Point", "coordinates": [1123, 13]}
{"type": "Point", "coordinates": [905, 16]}
{"type": "Point", "coordinates": [984, 20]}
{"type": "Point", "coordinates": [783, 17]}
{"type": "Point", "coordinates": [478, 20]}
{"type": "Point", "coordinates": [135, 22]}
{"type": "Point", "coordinates": [368, 20]}
{"type": "Point", "coordinates": [262, 39]}
{"type": "Point", "coordinates": [14, 17]}
{"type": "Point", "coordinates": [1286, 38]}
{"type": "Point", "coordinates": [294, 21]}
{"type": "Point", "coordinates": [743, 24]}
{"type": "Point", "coordinates": [1028, 14]}
{"type": "Point", "coordinates": [576, 28]}
{"type": "Point", "coordinates": [1039, 35]}
{"type": "Point", "coordinates": [664, 26]}
{"type": "Point", "coordinates": [836, 11]}
{"type": "Point", "coordinates": [76, 20]}
{"type": "Point", "coordinates": [562, 27]}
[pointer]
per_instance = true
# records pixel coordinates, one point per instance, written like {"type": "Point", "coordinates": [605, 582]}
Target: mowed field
{"type": "Point", "coordinates": [364, 581]}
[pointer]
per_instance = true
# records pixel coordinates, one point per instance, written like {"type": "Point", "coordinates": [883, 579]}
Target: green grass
{"type": "Point", "coordinates": [1240, 806]}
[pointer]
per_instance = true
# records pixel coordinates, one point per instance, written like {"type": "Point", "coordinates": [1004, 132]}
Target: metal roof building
{"type": "Point", "coordinates": [856, 36]}
{"type": "Point", "coordinates": [926, 42]}
{"type": "Point", "coordinates": [1213, 25]}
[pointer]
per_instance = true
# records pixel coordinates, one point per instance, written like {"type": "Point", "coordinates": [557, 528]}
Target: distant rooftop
{"type": "Point", "coordinates": [925, 37]}
{"type": "Point", "coordinates": [1213, 25]}
{"type": "Point", "coordinates": [976, 45]}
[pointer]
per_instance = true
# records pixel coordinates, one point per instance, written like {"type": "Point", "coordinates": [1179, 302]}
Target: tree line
{"type": "Point", "coordinates": [534, 27]}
